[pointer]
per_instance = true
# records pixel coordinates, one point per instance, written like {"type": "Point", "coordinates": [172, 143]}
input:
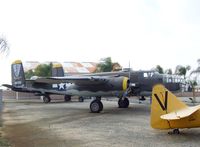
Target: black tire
{"type": "Point", "coordinates": [126, 101]}
{"type": "Point", "coordinates": [123, 103]}
{"type": "Point", "coordinates": [96, 106]}
{"type": "Point", "coordinates": [46, 99]}
{"type": "Point", "coordinates": [120, 103]}
{"type": "Point", "coordinates": [67, 98]}
{"type": "Point", "coordinates": [101, 106]}
{"type": "Point", "coordinates": [176, 131]}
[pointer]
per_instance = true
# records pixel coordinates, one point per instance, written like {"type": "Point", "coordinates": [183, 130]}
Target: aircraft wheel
{"type": "Point", "coordinates": [96, 106]}
{"type": "Point", "coordinates": [81, 99]}
{"type": "Point", "coordinates": [67, 98]}
{"type": "Point", "coordinates": [46, 99]}
{"type": "Point", "coordinates": [123, 103]}
{"type": "Point", "coordinates": [126, 101]}
{"type": "Point", "coordinates": [176, 131]}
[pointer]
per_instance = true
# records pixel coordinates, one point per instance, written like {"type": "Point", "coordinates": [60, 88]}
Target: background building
{"type": "Point", "coordinates": [69, 67]}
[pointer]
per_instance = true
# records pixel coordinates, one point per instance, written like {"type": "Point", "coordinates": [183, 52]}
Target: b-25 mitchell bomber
{"type": "Point", "coordinates": [91, 86]}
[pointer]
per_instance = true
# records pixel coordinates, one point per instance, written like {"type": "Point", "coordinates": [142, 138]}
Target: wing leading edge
{"type": "Point", "coordinates": [78, 80]}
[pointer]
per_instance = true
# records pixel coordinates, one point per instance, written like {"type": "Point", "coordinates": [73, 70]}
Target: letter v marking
{"type": "Point", "coordinates": [164, 107]}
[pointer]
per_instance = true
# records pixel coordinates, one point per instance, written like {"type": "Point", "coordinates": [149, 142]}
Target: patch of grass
{"type": "Point", "coordinates": [4, 143]}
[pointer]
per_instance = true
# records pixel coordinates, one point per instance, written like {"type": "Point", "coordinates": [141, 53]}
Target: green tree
{"type": "Point", "coordinates": [29, 74]}
{"type": "Point", "coordinates": [182, 70]}
{"type": "Point", "coordinates": [159, 69]}
{"type": "Point", "coordinates": [168, 71]}
{"type": "Point", "coordinates": [105, 65]}
{"type": "Point", "coordinates": [43, 70]}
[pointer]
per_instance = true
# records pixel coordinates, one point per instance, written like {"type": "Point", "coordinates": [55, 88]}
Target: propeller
{"type": "Point", "coordinates": [128, 90]}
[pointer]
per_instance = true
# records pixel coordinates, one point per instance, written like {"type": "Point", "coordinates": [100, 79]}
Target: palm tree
{"type": "Point", "coordinates": [4, 48]}
{"type": "Point", "coordinates": [159, 69]}
{"type": "Point", "coordinates": [195, 74]}
{"type": "Point", "coordinates": [168, 71]}
{"type": "Point", "coordinates": [182, 70]}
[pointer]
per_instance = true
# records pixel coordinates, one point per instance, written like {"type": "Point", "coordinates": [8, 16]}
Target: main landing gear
{"type": "Point", "coordinates": [81, 99]}
{"type": "Point", "coordinates": [142, 98]}
{"type": "Point", "coordinates": [175, 131]}
{"type": "Point", "coordinates": [123, 103]}
{"type": "Point", "coordinates": [67, 98]}
{"type": "Point", "coordinates": [96, 106]}
{"type": "Point", "coordinates": [46, 99]}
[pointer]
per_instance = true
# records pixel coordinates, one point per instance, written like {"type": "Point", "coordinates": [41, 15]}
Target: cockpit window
{"type": "Point", "coordinates": [145, 75]}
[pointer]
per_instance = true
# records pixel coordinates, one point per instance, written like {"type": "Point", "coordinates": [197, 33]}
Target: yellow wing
{"type": "Point", "coordinates": [180, 113]}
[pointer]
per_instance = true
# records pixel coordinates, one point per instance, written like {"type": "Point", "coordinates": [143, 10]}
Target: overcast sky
{"type": "Point", "coordinates": [145, 32]}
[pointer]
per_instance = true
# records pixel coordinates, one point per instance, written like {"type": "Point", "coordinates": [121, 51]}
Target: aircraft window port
{"type": "Point", "coordinates": [172, 79]}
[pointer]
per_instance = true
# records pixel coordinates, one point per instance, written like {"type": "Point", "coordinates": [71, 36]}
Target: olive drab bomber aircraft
{"type": "Point", "coordinates": [168, 112]}
{"type": "Point", "coordinates": [88, 86]}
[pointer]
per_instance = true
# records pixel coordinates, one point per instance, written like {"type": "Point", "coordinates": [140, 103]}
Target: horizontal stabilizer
{"type": "Point", "coordinates": [7, 85]}
{"type": "Point", "coordinates": [180, 113]}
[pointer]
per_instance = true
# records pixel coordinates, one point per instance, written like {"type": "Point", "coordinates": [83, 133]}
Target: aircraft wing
{"type": "Point", "coordinates": [78, 80]}
{"type": "Point", "coordinates": [180, 113]}
{"type": "Point", "coordinates": [7, 85]}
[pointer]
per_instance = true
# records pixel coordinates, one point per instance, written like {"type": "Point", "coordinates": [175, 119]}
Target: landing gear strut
{"type": "Point", "coordinates": [123, 103]}
{"type": "Point", "coordinates": [67, 98]}
{"type": "Point", "coordinates": [81, 99]}
{"type": "Point", "coordinates": [142, 98]}
{"type": "Point", "coordinates": [46, 99]}
{"type": "Point", "coordinates": [96, 106]}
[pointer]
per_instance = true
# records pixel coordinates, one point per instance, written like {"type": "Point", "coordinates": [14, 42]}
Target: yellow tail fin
{"type": "Point", "coordinates": [163, 102]}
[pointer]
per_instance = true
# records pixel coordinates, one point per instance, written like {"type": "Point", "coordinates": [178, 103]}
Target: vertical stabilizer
{"type": "Point", "coordinates": [57, 70]}
{"type": "Point", "coordinates": [17, 73]}
{"type": "Point", "coordinates": [163, 102]}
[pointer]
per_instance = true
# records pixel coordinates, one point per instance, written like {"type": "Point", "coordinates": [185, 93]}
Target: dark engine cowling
{"type": "Point", "coordinates": [119, 83]}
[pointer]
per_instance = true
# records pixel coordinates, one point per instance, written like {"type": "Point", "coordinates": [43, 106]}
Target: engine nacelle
{"type": "Point", "coordinates": [119, 83]}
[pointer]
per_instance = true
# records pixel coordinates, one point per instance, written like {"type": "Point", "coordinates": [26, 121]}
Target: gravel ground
{"type": "Point", "coordinates": [58, 124]}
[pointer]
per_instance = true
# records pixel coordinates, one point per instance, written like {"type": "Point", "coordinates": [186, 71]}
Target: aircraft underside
{"type": "Point", "coordinates": [96, 104]}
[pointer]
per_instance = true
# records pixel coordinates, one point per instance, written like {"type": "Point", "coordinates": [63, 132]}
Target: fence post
{"type": "Point", "coordinates": [17, 96]}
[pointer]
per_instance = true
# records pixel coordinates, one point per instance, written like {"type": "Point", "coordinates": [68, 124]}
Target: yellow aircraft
{"type": "Point", "coordinates": [168, 112]}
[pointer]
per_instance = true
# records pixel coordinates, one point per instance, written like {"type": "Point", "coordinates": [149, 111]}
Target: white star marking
{"type": "Point", "coordinates": [61, 86]}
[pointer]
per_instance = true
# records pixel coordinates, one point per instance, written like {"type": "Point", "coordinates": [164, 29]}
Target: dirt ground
{"type": "Point", "coordinates": [59, 124]}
